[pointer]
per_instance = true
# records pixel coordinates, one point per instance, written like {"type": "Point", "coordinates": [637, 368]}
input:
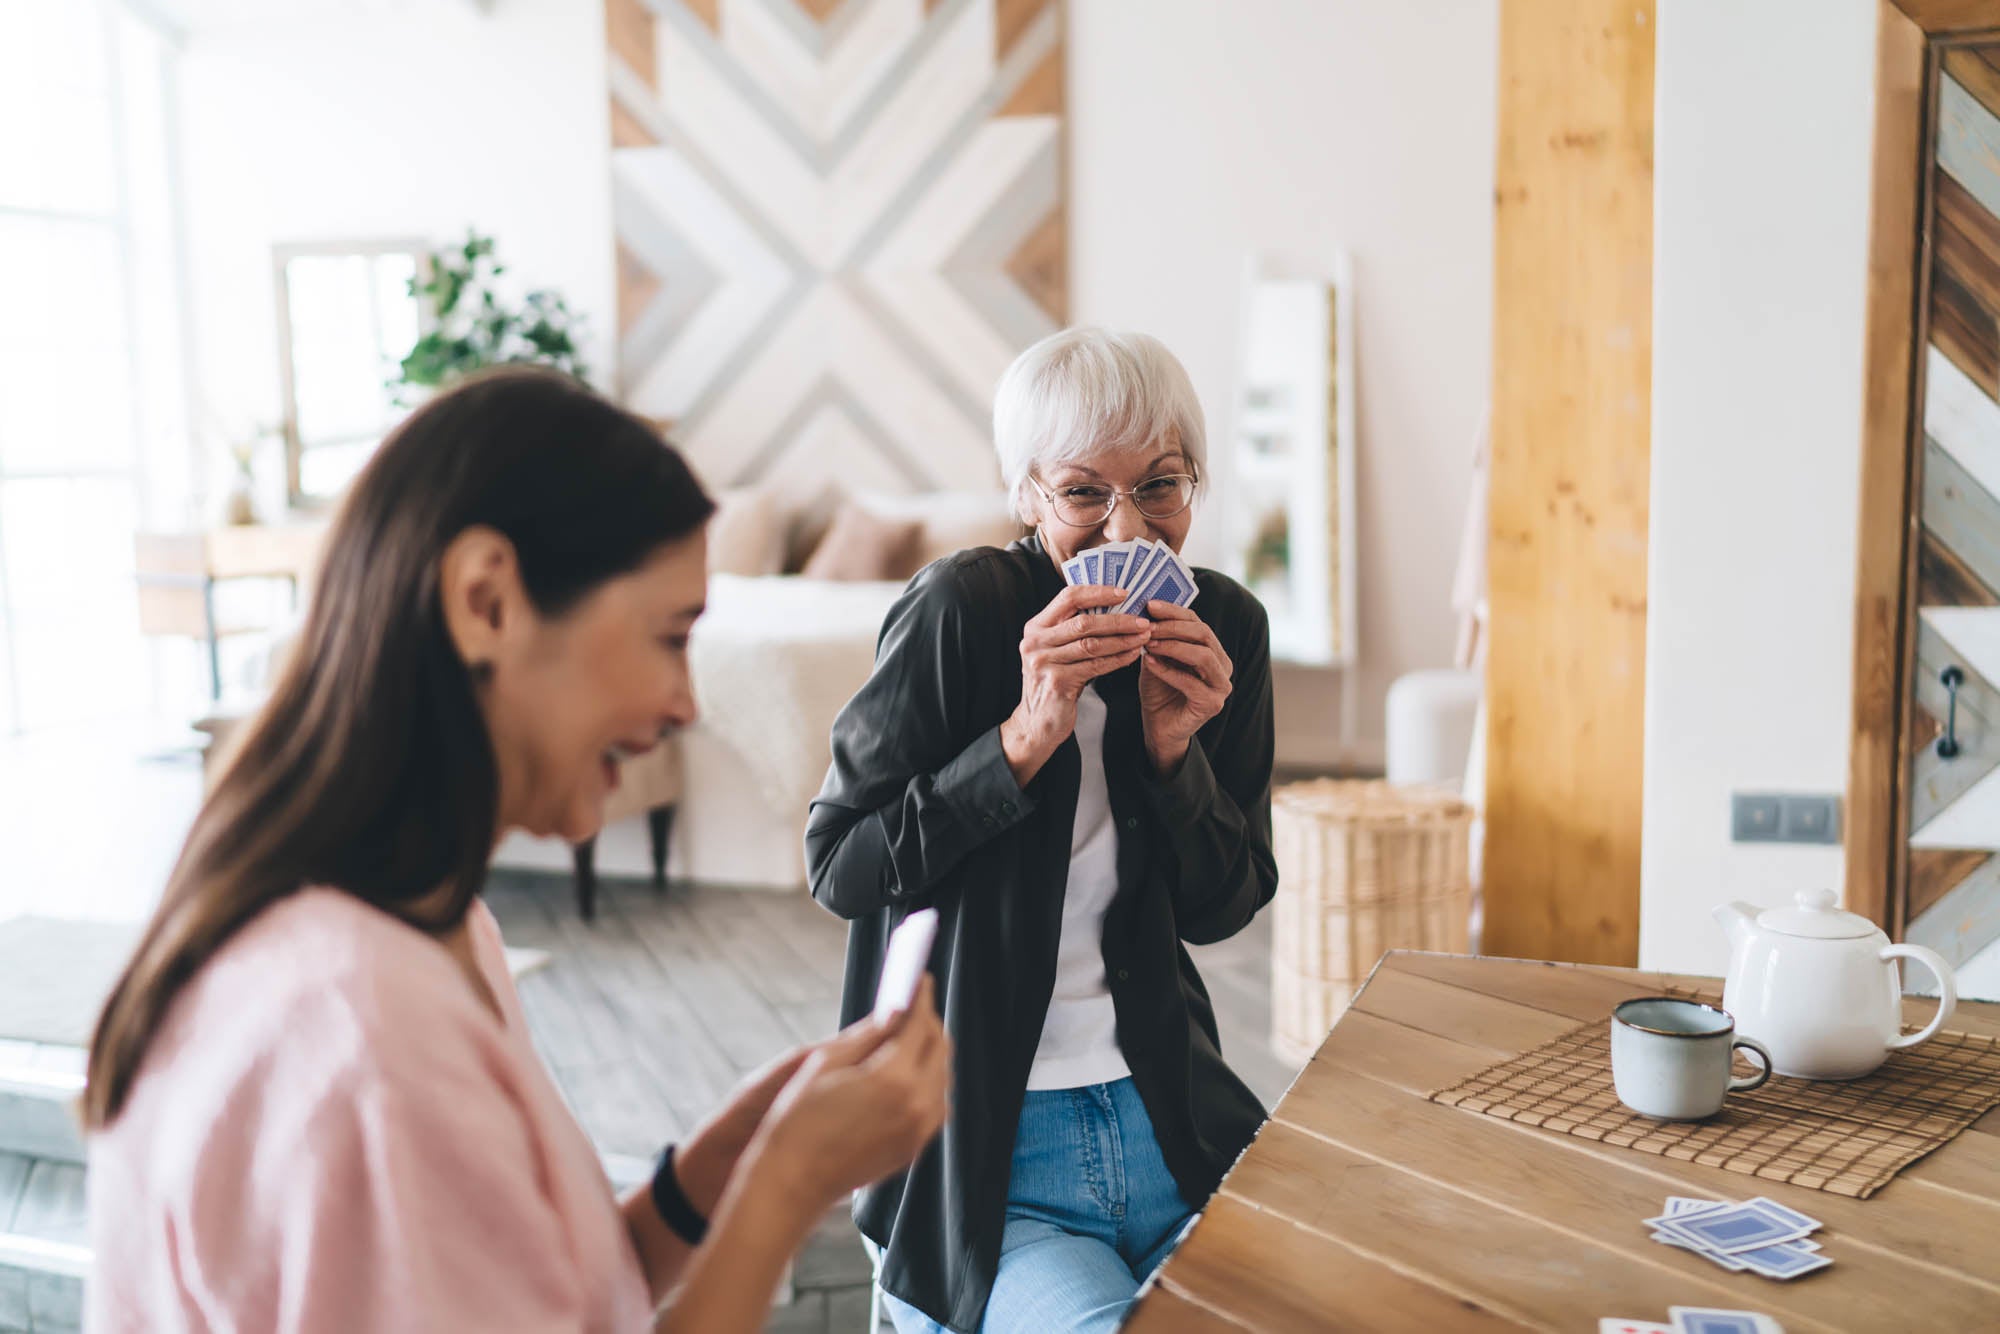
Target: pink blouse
{"type": "Point", "coordinates": [332, 1133]}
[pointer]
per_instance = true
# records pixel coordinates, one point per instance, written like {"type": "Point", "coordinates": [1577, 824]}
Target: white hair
{"type": "Point", "coordinates": [1089, 391]}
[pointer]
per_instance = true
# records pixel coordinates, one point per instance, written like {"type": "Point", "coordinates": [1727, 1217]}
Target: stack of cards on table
{"type": "Point", "coordinates": [1148, 571]}
{"type": "Point", "coordinates": [1696, 1320]}
{"type": "Point", "coordinates": [1760, 1235]}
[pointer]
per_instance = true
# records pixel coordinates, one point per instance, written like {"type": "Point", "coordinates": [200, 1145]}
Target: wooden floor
{"type": "Point", "coordinates": [647, 1017]}
{"type": "Point", "coordinates": [652, 1013]}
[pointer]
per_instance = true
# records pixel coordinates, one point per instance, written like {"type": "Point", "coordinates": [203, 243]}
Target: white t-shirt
{"type": "Point", "coordinates": [1079, 1044]}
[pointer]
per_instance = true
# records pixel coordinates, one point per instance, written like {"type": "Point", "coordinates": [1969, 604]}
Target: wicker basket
{"type": "Point", "coordinates": [1363, 868]}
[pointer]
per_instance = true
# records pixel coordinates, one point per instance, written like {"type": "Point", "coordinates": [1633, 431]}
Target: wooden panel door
{"type": "Point", "coordinates": [1951, 870]}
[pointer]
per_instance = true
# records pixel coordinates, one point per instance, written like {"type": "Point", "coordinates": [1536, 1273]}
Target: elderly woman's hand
{"type": "Point", "coordinates": [1063, 650]}
{"type": "Point", "coordinates": [1184, 682]}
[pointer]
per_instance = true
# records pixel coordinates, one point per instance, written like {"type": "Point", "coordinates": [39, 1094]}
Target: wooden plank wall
{"type": "Point", "coordinates": [1572, 393]}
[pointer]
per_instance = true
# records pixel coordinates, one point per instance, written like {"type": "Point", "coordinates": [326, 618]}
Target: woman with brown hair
{"type": "Point", "coordinates": [312, 1096]}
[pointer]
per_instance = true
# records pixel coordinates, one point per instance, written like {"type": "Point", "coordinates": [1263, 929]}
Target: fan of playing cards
{"type": "Point", "coordinates": [1150, 571]}
{"type": "Point", "coordinates": [1760, 1235]}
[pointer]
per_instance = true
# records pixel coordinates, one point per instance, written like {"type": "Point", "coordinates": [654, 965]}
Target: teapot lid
{"type": "Point", "coordinates": [1815, 917]}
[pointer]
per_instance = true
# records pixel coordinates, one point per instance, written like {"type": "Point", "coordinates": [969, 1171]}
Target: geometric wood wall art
{"type": "Point", "coordinates": [837, 222]}
{"type": "Point", "coordinates": [1952, 874]}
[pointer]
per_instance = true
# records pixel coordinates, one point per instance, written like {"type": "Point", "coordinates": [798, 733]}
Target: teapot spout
{"type": "Point", "coordinates": [1738, 919]}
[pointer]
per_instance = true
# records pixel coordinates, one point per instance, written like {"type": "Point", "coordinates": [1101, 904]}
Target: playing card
{"type": "Point", "coordinates": [1792, 1216]}
{"type": "Point", "coordinates": [1787, 1260]}
{"type": "Point", "coordinates": [1116, 557]}
{"type": "Point", "coordinates": [1093, 566]}
{"type": "Point", "coordinates": [1073, 571]}
{"type": "Point", "coordinates": [1707, 1320]}
{"type": "Point", "coordinates": [1143, 565]}
{"type": "Point", "coordinates": [1611, 1324]}
{"type": "Point", "coordinates": [1734, 1227]}
{"type": "Point", "coordinates": [905, 962]}
{"type": "Point", "coordinates": [1728, 1262]}
{"type": "Point", "coordinates": [1165, 581]}
{"type": "Point", "coordinates": [1142, 554]}
{"type": "Point", "coordinates": [1187, 573]}
{"type": "Point", "coordinates": [1685, 1204]}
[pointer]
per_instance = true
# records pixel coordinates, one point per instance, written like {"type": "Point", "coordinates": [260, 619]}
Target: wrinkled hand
{"type": "Point", "coordinates": [1184, 680]}
{"type": "Point", "coordinates": [1064, 649]}
{"type": "Point", "coordinates": [863, 1104]}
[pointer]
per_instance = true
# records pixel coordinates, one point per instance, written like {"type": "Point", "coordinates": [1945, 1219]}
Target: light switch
{"type": "Point", "coordinates": [1810, 819]}
{"type": "Point", "coordinates": [1778, 817]}
{"type": "Point", "coordinates": [1754, 817]}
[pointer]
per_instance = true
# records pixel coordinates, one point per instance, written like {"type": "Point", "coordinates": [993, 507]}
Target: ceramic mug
{"type": "Point", "coordinates": [1670, 1058]}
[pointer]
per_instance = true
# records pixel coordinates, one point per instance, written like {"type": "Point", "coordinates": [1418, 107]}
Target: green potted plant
{"type": "Point", "coordinates": [469, 325]}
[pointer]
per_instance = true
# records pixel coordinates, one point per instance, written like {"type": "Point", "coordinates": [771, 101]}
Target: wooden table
{"type": "Point", "coordinates": [1363, 1206]}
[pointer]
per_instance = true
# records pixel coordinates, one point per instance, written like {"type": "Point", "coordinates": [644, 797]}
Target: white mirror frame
{"type": "Point", "coordinates": [1295, 388]}
{"type": "Point", "coordinates": [281, 256]}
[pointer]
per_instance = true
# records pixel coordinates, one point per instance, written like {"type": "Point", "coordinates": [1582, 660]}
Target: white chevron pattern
{"type": "Point", "coordinates": [834, 211]}
{"type": "Point", "coordinates": [822, 95]}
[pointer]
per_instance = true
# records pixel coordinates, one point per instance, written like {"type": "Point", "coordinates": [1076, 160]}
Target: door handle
{"type": "Point", "coordinates": [1951, 678]}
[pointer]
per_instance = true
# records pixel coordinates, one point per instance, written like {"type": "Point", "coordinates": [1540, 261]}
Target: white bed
{"type": "Point", "coordinates": [774, 659]}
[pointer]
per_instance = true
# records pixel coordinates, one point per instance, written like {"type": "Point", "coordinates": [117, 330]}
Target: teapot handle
{"type": "Point", "coordinates": [1947, 991]}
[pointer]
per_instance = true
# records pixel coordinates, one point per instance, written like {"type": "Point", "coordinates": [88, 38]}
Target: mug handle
{"type": "Point", "coordinates": [1744, 1083]}
{"type": "Point", "coordinates": [1947, 991]}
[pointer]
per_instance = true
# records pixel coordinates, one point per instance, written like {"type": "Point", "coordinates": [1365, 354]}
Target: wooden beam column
{"type": "Point", "coordinates": [1875, 764]}
{"type": "Point", "coordinates": [1572, 396]}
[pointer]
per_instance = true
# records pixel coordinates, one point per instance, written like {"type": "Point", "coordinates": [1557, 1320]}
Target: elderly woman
{"type": "Point", "coordinates": [1077, 793]}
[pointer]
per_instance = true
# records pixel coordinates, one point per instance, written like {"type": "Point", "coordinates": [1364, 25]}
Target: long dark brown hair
{"type": "Point", "coordinates": [369, 770]}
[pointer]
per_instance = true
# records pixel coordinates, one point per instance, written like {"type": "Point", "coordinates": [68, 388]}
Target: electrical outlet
{"type": "Point", "coordinates": [1754, 817]}
{"type": "Point", "coordinates": [1777, 817]}
{"type": "Point", "coordinates": [1810, 819]}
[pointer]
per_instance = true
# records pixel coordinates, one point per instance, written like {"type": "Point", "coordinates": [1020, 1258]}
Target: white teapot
{"type": "Point", "coordinates": [1818, 986]}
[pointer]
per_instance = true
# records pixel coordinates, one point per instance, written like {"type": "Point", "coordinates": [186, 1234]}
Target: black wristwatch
{"type": "Point", "coordinates": [676, 1209]}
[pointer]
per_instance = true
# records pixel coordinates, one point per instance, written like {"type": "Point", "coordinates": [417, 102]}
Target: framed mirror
{"type": "Point", "coordinates": [346, 318]}
{"type": "Point", "coordinates": [1289, 529]}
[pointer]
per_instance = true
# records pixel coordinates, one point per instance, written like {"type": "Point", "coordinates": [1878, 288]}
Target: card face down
{"type": "Point", "coordinates": [1708, 1320]}
{"type": "Point", "coordinates": [1115, 557]}
{"type": "Point", "coordinates": [1736, 1227]}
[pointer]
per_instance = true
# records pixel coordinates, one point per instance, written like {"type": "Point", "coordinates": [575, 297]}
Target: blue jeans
{"type": "Point", "coordinates": [1091, 1212]}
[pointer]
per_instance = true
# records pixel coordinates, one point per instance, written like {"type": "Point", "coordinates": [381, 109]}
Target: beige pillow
{"type": "Point", "coordinates": [860, 546]}
{"type": "Point", "coordinates": [747, 534]}
{"type": "Point", "coordinates": [949, 520]}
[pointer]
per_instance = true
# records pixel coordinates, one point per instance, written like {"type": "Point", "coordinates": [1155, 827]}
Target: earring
{"type": "Point", "coordinates": [481, 672]}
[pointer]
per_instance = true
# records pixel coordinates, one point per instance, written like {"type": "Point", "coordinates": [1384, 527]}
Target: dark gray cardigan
{"type": "Point", "coordinates": [919, 809]}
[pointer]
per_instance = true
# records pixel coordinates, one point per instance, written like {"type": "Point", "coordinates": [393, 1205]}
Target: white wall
{"type": "Point", "coordinates": [1200, 130]}
{"type": "Point", "coordinates": [349, 123]}
{"type": "Point", "coordinates": [1761, 196]}
{"type": "Point", "coordinates": [1203, 129]}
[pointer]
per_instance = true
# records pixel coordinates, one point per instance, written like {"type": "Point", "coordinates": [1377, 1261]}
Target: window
{"type": "Point", "coordinates": [93, 419]}
{"type": "Point", "coordinates": [348, 319]}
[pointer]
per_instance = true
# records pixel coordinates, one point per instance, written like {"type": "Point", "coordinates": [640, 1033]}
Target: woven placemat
{"type": "Point", "coordinates": [1848, 1138]}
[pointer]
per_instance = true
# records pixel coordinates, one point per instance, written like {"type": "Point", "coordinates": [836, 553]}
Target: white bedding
{"type": "Point", "coordinates": [774, 659]}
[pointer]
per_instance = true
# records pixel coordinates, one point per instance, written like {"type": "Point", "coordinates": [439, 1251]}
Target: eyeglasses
{"type": "Point", "coordinates": [1087, 506]}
